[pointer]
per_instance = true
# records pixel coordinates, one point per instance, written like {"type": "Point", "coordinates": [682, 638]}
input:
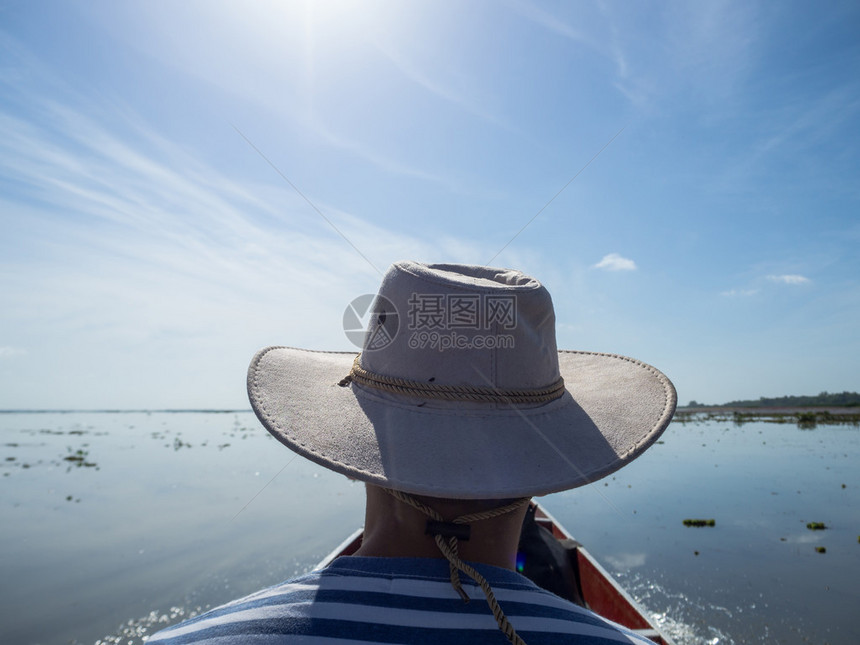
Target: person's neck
{"type": "Point", "coordinates": [396, 530]}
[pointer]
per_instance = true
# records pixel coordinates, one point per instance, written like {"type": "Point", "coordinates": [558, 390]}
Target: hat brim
{"type": "Point", "coordinates": [613, 409]}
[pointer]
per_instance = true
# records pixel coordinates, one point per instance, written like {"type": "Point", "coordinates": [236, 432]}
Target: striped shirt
{"type": "Point", "coordinates": [358, 600]}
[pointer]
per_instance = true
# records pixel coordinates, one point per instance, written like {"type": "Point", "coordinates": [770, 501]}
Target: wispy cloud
{"type": "Point", "coordinates": [739, 293]}
{"type": "Point", "coordinates": [705, 49]}
{"type": "Point", "coordinates": [615, 262]}
{"type": "Point", "coordinates": [792, 279]}
{"type": "Point", "coordinates": [794, 138]}
{"type": "Point", "coordinates": [117, 227]}
{"type": "Point", "coordinates": [608, 45]}
{"type": "Point", "coordinates": [371, 155]}
{"type": "Point", "coordinates": [438, 88]}
{"type": "Point", "coordinates": [550, 22]}
{"type": "Point", "coordinates": [789, 278]}
{"type": "Point", "coordinates": [122, 247]}
{"type": "Point", "coordinates": [715, 40]}
{"type": "Point", "coordinates": [271, 68]}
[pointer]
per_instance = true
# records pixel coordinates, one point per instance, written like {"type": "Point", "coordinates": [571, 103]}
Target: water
{"type": "Point", "coordinates": [755, 577]}
{"type": "Point", "coordinates": [116, 524]}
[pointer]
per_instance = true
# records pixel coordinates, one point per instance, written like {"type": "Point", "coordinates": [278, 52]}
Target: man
{"type": "Point", "coordinates": [458, 410]}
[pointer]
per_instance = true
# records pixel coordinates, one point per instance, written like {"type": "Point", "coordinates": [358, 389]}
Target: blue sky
{"type": "Point", "coordinates": [148, 249]}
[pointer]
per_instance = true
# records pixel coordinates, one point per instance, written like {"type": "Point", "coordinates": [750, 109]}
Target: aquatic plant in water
{"type": "Point", "coordinates": [79, 458]}
{"type": "Point", "coordinates": [697, 522]}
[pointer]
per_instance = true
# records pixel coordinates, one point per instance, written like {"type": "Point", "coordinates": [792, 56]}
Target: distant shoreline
{"type": "Point", "coordinates": [804, 417]}
{"type": "Point", "coordinates": [766, 410]}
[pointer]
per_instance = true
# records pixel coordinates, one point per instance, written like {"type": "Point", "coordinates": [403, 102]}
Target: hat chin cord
{"type": "Point", "coordinates": [447, 536]}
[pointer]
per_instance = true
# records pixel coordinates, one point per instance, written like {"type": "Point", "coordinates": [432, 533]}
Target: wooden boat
{"type": "Point", "coordinates": [590, 584]}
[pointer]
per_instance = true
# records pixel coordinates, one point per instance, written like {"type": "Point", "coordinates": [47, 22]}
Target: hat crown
{"type": "Point", "coordinates": [462, 325]}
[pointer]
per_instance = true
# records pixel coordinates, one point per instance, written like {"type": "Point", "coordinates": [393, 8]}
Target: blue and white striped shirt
{"type": "Point", "coordinates": [358, 600]}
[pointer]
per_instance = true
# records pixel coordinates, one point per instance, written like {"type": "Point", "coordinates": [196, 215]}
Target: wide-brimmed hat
{"type": "Point", "coordinates": [460, 392]}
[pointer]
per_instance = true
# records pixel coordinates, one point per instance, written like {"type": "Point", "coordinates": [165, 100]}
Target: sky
{"type": "Point", "coordinates": [182, 184]}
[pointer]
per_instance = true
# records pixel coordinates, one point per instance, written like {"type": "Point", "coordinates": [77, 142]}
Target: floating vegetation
{"type": "Point", "coordinates": [805, 419]}
{"type": "Point", "coordinates": [698, 522]}
{"type": "Point", "coordinates": [741, 418]}
{"type": "Point", "coordinates": [79, 458]}
{"type": "Point", "coordinates": [816, 526]}
{"type": "Point", "coordinates": [820, 549]}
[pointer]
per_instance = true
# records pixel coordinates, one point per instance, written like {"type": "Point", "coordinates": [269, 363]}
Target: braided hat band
{"type": "Point", "coordinates": [397, 385]}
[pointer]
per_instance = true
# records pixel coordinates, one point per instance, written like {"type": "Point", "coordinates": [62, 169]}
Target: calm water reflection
{"type": "Point", "coordinates": [114, 524]}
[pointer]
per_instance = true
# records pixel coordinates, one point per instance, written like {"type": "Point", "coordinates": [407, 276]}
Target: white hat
{"type": "Point", "coordinates": [460, 392]}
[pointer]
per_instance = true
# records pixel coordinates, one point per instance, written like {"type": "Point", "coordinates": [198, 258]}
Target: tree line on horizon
{"type": "Point", "coordinates": [823, 399]}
